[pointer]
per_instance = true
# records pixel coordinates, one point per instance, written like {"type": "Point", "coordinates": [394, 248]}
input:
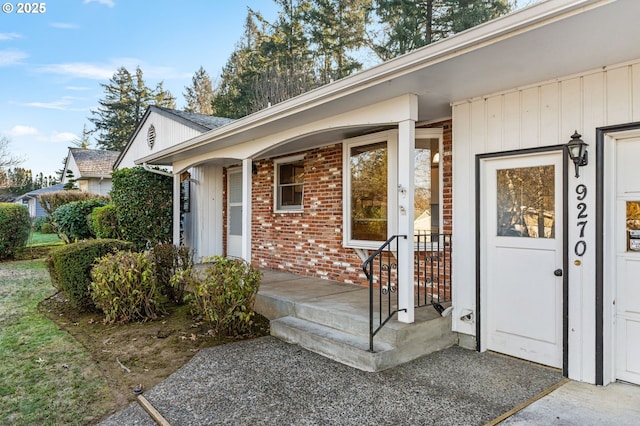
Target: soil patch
{"type": "Point", "coordinates": [139, 354]}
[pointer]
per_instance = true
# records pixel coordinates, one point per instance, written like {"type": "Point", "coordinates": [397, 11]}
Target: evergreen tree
{"type": "Point", "coordinates": [17, 181]}
{"type": "Point", "coordinates": [337, 29]}
{"type": "Point", "coordinates": [71, 181]}
{"type": "Point", "coordinates": [289, 68]}
{"type": "Point", "coordinates": [126, 99]}
{"type": "Point", "coordinates": [234, 97]}
{"type": "Point", "coordinates": [410, 24]}
{"type": "Point", "coordinates": [84, 141]}
{"type": "Point", "coordinates": [461, 15]}
{"type": "Point", "coordinates": [199, 95]}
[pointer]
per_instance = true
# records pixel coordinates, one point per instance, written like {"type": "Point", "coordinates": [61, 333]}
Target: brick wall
{"type": "Point", "coordinates": [309, 243]}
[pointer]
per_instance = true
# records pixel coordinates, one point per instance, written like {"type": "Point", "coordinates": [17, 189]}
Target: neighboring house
{"type": "Point", "coordinates": [90, 169]}
{"type": "Point", "coordinates": [545, 263]}
{"type": "Point", "coordinates": [159, 129]}
{"type": "Point", "coordinates": [30, 199]}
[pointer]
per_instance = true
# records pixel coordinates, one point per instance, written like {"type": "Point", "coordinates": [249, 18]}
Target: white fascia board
{"type": "Point", "coordinates": [391, 111]}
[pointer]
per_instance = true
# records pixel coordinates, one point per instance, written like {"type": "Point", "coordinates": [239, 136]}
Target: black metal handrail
{"type": "Point", "coordinates": [432, 277]}
{"type": "Point", "coordinates": [432, 269]}
{"type": "Point", "coordinates": [386, 263]}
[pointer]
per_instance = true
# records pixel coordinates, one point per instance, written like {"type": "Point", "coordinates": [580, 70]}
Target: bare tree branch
{"type": "Point", "coordinates": [6, 158]}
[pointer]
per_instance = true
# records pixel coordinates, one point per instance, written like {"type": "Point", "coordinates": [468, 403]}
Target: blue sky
{"type": "Point", "coordinates": [52, 64]}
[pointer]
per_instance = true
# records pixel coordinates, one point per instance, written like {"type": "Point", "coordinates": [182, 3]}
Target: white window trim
{"type": "Point", "coordinates": [276, 180]}
{"type": "Point", "coordinates": [391, 138]}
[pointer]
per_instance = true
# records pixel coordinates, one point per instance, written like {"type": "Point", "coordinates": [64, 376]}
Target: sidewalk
{"type": "Point", "coordinates": [268, 382]}
{"type": "Point", "coordinates": [582, 404]}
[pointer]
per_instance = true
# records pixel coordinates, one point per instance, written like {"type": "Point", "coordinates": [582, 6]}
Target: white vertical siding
{"type": "Point", "coordinates": [168, 133]}
{"type": "Point", "coordinates": [203, 224]}
{"type": "Point", "coordinates": [541, 115]}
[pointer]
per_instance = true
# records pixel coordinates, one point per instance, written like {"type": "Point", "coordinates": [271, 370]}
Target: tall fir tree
{"type": "Point", "coordinates": [234, 97]}
{"type": "Point", "coordinates": [126, 99]}
{"type": "Point", "coordinates": [199, 95]}
{"type": "Point", "coordinates": [337, 29]}
{"type": "Point", "coordinates": [406, 25]}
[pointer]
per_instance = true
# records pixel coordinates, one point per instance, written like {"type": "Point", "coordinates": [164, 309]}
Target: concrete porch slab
{"type": "Point", "coordinates": [332, 319]}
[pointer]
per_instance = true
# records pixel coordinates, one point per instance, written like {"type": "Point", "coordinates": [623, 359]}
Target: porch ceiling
{"type": "Point", "coordinates": [546, 41]}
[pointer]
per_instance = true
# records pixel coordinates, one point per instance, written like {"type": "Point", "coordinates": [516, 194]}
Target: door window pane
{"type": "Point", "coordinates": [633, 226]}
{"type": "Point", "coordinates": [235, 187]}
{"type": "Point", "coordinates": [368, 173]}
{"type": "Point", "coordinates": [526, 202]}
{"type": "Point", "coordinates": [235, 220]}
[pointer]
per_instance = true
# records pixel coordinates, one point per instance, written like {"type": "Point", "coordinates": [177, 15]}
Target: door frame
{"type": "Point", "coordinates": [604, 325]}
{"type": "Point", "coordinates": [565, 237]}
{"type": "Point", "coordinates": [229, 172]}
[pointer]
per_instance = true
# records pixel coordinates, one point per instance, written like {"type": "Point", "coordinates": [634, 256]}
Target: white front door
{"type": "Point", "coordinates": [521, 275]}
{"type": "Point", "coordinates": [234, 213]}
{"type": "Point", "coordinates": [627, 247]}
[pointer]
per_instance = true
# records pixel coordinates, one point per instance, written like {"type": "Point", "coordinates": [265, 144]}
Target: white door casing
{"type": "Point", "coordinates": [234, 212]}
{"type": "Point", "coordinates": [626, 280]}
{"type": "Point", "coordinates": [521, 276]}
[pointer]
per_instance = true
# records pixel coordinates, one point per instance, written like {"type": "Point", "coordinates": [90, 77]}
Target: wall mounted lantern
{"type": "Point", "coordinates": [577, 149]}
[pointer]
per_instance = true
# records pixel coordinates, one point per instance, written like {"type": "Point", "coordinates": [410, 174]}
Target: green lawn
{"type": "Point", "coordinates": [46, 376]}
{"type": "Point", "coordinates": [39, 239]}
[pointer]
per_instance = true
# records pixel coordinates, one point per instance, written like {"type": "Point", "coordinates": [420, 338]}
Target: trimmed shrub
{"type": "Point", "coordinates": [70, 267]}
{"type": "Point", "coordinates": [169, 259]}
{"type": "Point", "coordinates": [47, 228]}
{"type": "Point", "coordinates": [124, 288]}
{"type": "Point", "coordinates": [71, 219]}
{"type": "Point", "coordinates": [50, 201]}
{"type": "Point", "coordinates": [223, 294]}
{"type": "Point", "coordinates": [144, 206]}
{"type": "Point", "coordinates": [15, 225]}
{"type": "Point", "coordinates": [104, 222]}
{"type": "Point", "coordinates": [37, 223]}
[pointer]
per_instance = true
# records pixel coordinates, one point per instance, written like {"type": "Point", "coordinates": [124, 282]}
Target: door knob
{"type": "Point", "coordinates": [557, 272]}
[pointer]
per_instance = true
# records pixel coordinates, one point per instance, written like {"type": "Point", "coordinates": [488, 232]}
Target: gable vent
{"type": "Point", "coordinates": [151, 136]}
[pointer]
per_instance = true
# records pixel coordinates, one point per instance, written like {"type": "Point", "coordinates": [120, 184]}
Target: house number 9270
{"type": "Point", "coordinates": [581, 246]}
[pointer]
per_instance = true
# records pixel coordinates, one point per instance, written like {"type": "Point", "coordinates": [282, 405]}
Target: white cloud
{"type": "Point", "coordinates": [77, 88]}
{"type": "Point", "coordinates": [9, 36]}
{"type": "Point", "coordinates": [64, 25]}
{"type": "Point", "coordinates": [59, 137]}
{"type": "Point", "coordinates": [62, 104]}
{"type": "Point", "coordinates": [109, 3]}
{"type": "Point", "coordinates": [81, 69]}
{"type": "Point", "coordinates": [11, 57]}
{"type": "Point", "coordinates": [106, 71]}
{"type": "Point", "coordinates": [20, 130]}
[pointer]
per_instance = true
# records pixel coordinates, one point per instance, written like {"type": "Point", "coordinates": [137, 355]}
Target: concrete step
{"type": "Point", "coordinates": [351, 315]}
{"type": "Point", "coordinates": [353, 350]}
{"type": "Point", "coordinates": [338, 345]}
{"type": "Point", "coordinates": [332, 319]}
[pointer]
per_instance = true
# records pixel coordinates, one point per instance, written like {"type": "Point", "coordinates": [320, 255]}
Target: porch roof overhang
{"type": "Point", "coordinates": [548, 40]}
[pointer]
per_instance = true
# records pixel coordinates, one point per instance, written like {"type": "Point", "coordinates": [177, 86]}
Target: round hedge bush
{"type": "Point", "coordinates": [15, 225]}
{"type": "Point", "coordinates": [70, 267]}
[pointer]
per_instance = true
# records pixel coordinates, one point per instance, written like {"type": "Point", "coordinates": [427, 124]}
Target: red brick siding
{"type": "Point", "coordinates": [309, 243]}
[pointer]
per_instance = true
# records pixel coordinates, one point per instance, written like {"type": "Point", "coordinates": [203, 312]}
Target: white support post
{"type": "Point", "coordinates": [406, 189]}
{"type": "Point", "coordinates": [247, 174]}
{"type": "Point", "coordinates": [176, 209]}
